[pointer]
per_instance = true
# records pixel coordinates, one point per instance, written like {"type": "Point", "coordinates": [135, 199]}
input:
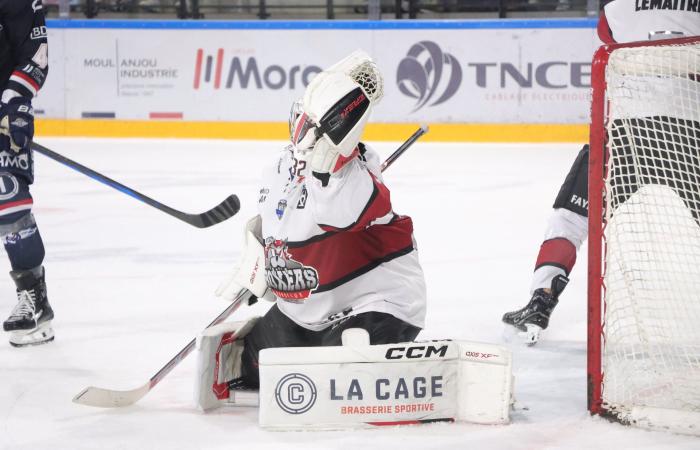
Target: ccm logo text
{"type": "Point", "coordinates": [415, 352]}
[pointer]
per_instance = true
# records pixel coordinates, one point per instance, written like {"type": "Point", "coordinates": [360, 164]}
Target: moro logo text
{"type": "Point", "coordinates": [247, 73]}
{"type": "Point", "coordinates": [426, 73]}
{"type": "Point", "coordinates": [295, 393]}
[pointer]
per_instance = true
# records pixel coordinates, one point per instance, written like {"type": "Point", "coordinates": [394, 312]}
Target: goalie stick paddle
{"type": "Point", "coordinates": [224, 210]}
{"type": "Point", "coordinates": [110, 398]}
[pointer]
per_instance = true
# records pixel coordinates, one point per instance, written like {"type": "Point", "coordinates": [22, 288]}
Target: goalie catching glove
{"type": "Point", "coordinates": [327, 124]}
{"type": "Point", "coordinates": [250, 273]}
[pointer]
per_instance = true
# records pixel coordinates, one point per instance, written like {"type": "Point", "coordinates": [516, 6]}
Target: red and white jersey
{"type": "Point", "coordinates": [633, 20]}
{"type": "Point", "coordinates": [338, 250]}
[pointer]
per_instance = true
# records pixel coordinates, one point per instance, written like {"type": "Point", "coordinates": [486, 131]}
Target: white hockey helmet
{"type": "Point", "coordinates": [336, 105]}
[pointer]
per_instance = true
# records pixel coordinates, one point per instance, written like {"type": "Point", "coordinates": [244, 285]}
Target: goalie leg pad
{"type": "Point", "coordinates": [278, 330]}
{"type": "Point", "coordinates": [273, 330]}
{"type": "Point", "coordinates": [360, 385]}
{"type": "Point", "coordinates": [219, 350]}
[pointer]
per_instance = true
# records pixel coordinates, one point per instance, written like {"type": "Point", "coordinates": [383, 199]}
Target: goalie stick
{"type": "Point", "coordinates": [403, 147]}
{"type": "Point", "coordinates": [110, 398]}
{"type": "Point", "coordinates": [224, 210]}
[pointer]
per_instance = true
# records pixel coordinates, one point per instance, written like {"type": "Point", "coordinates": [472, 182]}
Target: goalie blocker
{"type": "Point", "coordinates": [357, 384]}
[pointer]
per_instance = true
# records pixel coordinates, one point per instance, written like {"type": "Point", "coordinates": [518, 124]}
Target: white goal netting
{"type": "Point", "coordinates": [651, 328]}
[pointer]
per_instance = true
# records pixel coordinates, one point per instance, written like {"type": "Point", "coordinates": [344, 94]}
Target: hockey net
{"type": "Point", "coordinates": [644, 235]}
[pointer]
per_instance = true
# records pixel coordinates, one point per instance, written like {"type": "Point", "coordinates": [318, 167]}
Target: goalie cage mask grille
{"type": "Point", "coordinates": [368, 76]}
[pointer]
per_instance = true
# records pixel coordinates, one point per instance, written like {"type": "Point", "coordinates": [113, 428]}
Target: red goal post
{"type": "Point", "coordinates": [647, 152]}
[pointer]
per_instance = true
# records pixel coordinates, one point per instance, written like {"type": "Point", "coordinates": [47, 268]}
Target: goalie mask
{"type": "Point", "coordinates": [326, 125]}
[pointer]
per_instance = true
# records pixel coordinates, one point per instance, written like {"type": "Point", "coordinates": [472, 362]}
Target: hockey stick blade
{"type": "Point", "coordinates": [107, 398]}
{"type": "Point", "coordinates": [111, 398]}
{"type": "Point", "coordinates": [224, 210]}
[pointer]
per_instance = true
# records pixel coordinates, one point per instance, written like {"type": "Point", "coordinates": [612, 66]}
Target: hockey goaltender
{"type": "Point", "coordinates": [336, 350]}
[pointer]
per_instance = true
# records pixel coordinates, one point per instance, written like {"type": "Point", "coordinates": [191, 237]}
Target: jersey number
{"type": "Point", "coordinates": [41, 57]}
{"type": "Point", "coordinates": [299, 167]}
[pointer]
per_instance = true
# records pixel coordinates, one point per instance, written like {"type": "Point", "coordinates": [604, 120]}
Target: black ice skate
{"type": "Point", "coordinates": [30, 321]}
{"type": "Point", "coordinates": [534, 317]}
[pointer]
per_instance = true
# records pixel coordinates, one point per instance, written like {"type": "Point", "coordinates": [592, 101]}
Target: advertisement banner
{"type": "Point", "coordinates": [358, 385]}
{"type": "Point", "coordinates": [431, 74]}
{"type": "Point", "coordinates": [492, 76]}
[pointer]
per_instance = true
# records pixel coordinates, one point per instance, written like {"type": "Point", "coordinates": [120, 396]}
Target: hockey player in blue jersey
{"type": "Point", "coordinates": [23, 70]}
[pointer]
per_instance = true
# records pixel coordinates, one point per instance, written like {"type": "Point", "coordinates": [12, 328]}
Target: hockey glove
{"type": "Point", "coordinates": [327, 159]}
{"type": "Point", "coordinates": [17, 123]}
{"type": "Point", "coordinates": [250, 273]}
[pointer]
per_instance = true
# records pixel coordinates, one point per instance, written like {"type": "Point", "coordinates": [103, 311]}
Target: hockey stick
{"type": "Point", "coordinates": [109, 398]}
{"type": "Point", "coordinates": [409, 142]}
{"type": "Point", "coordinates": [224, 210]}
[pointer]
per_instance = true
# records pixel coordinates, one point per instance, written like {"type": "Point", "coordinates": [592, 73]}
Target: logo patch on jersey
{"type": "Point", "coordinates": [281, 207]}
{"type": "Point", "coordinates": [279, 165]}
{"type": "Point", "coordinates": [9, 186]}
{"type": "Point", "coordinates": [263, 195]}
{"type": "Point", "coordinates": [301, 204]}
{"type": "Point", "coordinates": [14, 161]}
{"type": "Point", "coordinates": [13, 238]}
{"type": "Point", "coordinates": [38, 33]}
{"type": "Point", "coordinates": [289, 279]}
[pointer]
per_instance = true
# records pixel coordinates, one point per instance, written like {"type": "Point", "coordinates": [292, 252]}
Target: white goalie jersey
{"type": "Point", "coordinates": [338, 250]}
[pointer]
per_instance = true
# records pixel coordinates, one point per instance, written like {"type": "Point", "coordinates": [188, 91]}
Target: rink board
{"type": "Point", "coordinates": [211, 74]}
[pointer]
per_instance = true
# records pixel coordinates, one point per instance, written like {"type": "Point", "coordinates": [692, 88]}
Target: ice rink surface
{"type": "Point", "coordinates": [131, 286]}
